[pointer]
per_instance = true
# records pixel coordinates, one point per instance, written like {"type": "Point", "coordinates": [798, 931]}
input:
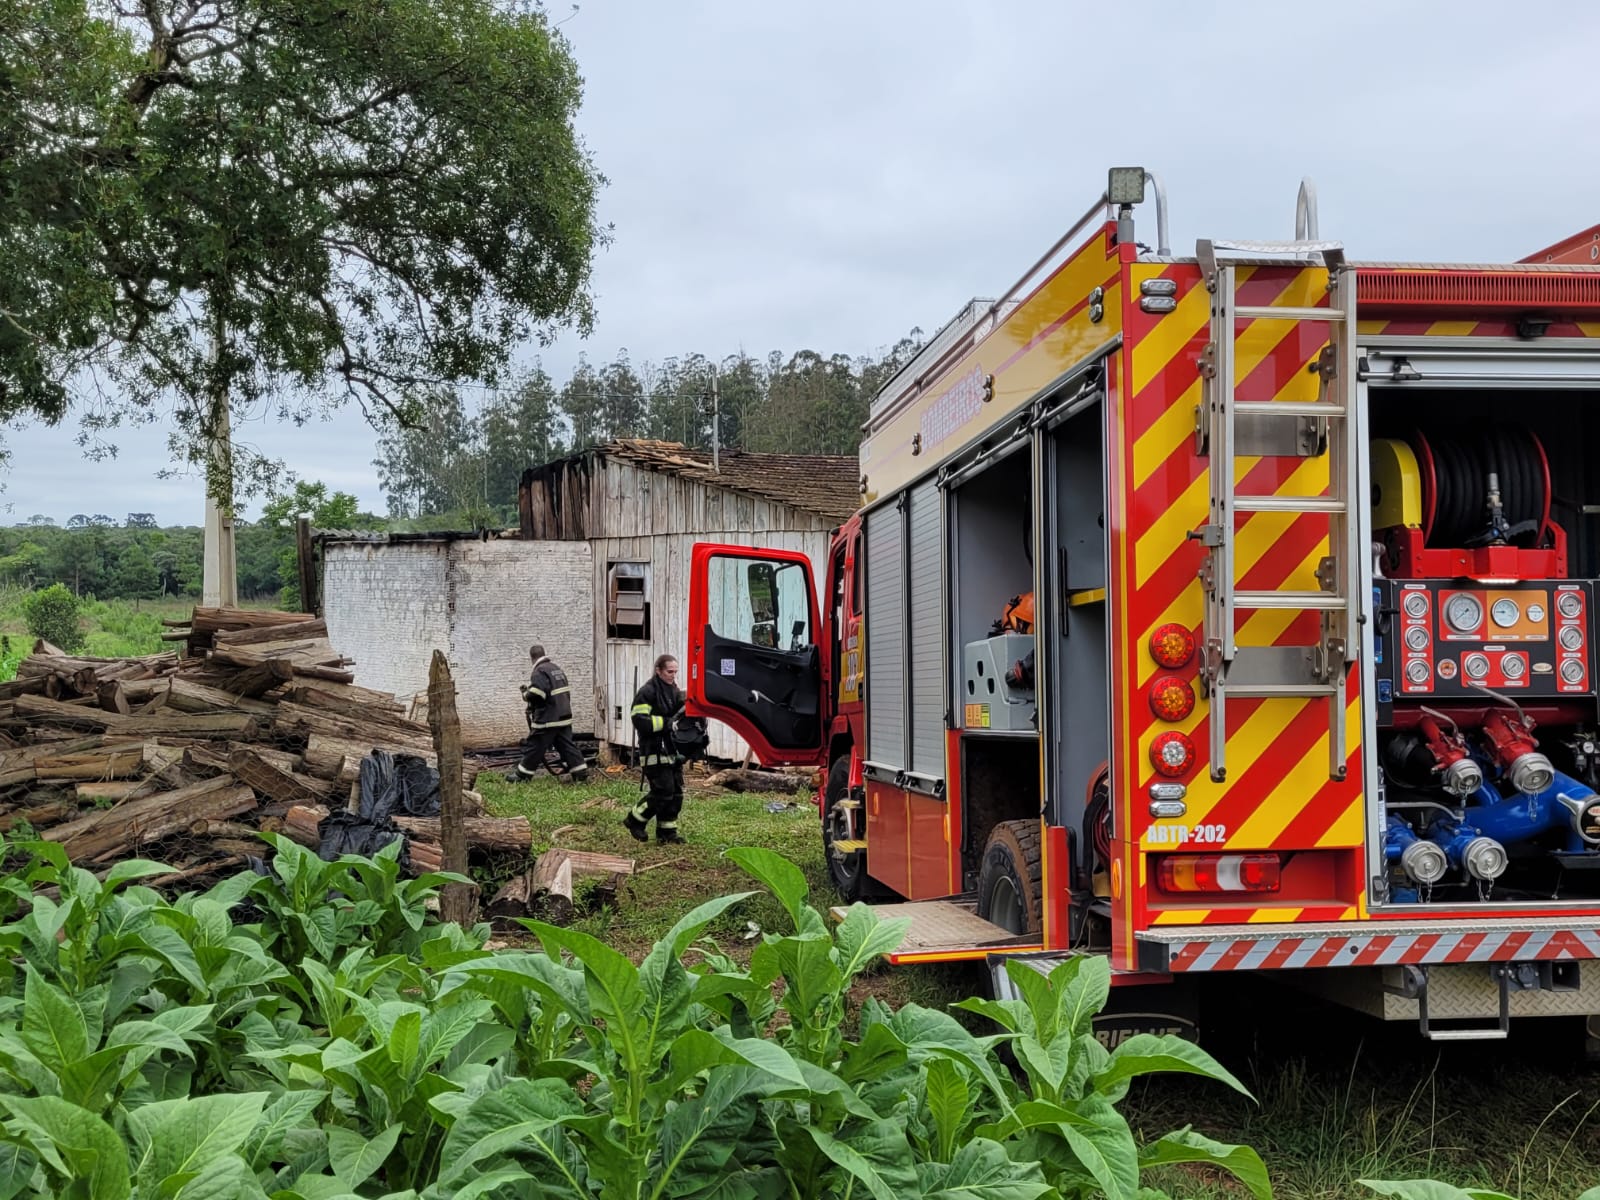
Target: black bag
{"type": "Point", "coordinates": [690, 736]}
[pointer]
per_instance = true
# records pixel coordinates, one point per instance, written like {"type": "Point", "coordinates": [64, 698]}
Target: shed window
{"type": "Point", "coordinates": [628, 601]}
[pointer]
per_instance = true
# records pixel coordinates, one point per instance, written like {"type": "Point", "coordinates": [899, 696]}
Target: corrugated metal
{"type": "Point", "coordinates": [925, 592]}
{"type": "Point", "coordinates": [886, 637]}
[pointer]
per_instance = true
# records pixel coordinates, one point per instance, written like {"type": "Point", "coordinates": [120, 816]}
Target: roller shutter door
{"type": "Point", "coordinates": [925, 587]}
{"type": "Point", "coordinates": [886, 636]}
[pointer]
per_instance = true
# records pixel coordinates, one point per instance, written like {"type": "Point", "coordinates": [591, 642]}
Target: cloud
{"type": "Point", "coordinates": [827, 176]}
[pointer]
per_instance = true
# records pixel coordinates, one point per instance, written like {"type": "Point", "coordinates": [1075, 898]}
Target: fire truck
{"type": "Point", "coordinates": [1222, 613]}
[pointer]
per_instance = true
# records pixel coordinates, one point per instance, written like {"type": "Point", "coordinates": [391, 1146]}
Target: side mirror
{"type": "Point", "coordinates": [762, 582]}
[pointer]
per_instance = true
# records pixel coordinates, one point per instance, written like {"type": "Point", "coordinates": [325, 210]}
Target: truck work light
{"type": "Point", "coordinates": [1125, 186]}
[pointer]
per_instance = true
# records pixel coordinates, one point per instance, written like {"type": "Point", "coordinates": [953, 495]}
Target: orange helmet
{"type": "Point", "coordinates": [1018, 616]}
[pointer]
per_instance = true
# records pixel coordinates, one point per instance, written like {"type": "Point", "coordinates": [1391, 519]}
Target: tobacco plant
{"type": "Point", "coordinates": [310, 1034]}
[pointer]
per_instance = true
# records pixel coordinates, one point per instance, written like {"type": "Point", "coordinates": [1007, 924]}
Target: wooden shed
{"type": "Point", "coordinates": [641, 506]}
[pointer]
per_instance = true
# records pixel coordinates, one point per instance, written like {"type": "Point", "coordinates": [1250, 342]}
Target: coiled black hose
{"type": "Point", "coordinates": [1462, 462]}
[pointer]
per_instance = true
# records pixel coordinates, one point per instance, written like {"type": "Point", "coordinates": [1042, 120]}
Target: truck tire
{"type": "Point", "coordinates": [1008, 880]}
{"type": "Point", "coordinates": [847, 870]}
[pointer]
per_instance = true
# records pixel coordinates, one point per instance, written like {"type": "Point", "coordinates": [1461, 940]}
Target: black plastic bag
{"type": "Point", "coordinates": [389, 784]}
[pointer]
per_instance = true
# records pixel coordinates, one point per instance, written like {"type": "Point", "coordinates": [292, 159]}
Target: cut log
{"type": "Point", "coordinates": [227, 726]}
{"type": "Point", "coordinates": [257, 680]}
{"type": "Point", "coordinates": [241, 658]}
{"type": "Point", "coordinates": [309, 692]}
{"type": "Point", "coordinates": [425, 857]}
{"type": "Point", "coordinates": [305, 628]}
{"type": "Point", "coordinates": [296, 720]}
{"type": "Point", "coordinates": [483, 833]}
{"type": "Point", "coordinates": [759, 781]}
{"type": "Point", "coordinates": [269, 781]}
{"type": "Point", "coordinates": [38, 815]}
{"type": "Point", "coordinates": [108, 789]}
{"type": "Point", "coordinates": [513, 900]}
{"type": "Point", "coordinates": [550, 887]}
{"type": "Point", "coordinates": [121, 830]}
{"type": "Point", "coordinates": [31, 685]}
{"type": "Point", "coordinates": [301, 822]}
{"type": "Point", "coordinates": [113, 697]}
{"type": "Point", "coordinates": [585, 863]}
{"type": "Point", "coordinates": [186, 695]}
{"type": "Point", "coordinates": [110, 762]}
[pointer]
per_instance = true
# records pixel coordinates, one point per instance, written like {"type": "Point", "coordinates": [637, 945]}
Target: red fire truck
{"type": "Point", "coordinates": [1231, 612]}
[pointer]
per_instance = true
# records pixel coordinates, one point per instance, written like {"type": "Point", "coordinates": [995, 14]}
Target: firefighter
{"type": "Point", "coordinates": [548, 697]}
{"type": "Point", "coordinates": [655, 707]}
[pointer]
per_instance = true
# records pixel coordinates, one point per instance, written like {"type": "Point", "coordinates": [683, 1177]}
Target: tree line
{"type": "Point", "coordinates": [466, 454]}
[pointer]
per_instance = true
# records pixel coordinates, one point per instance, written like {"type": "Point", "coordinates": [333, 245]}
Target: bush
{"type": "Point", "coordinates": [52, 614]}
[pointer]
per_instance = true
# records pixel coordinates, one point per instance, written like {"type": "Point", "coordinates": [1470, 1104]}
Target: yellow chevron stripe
{"type": "Point", "coordinates": [1451, 328]}
{"type": "Point", "coordinates": [1274, 916]}
{"type": "Point", "coordinates": [1262, 828]}
{"type": "Point", "coordinates": [1350, 828]}
{"type": "Point", "coordinates": [1261, 729]}
{"type": "Point", "coordinates": [1171, 333]}
{"type": "Point", "coordinates": [1166, 435]}
{"type": "Point", "coordinates": [1181, 916]}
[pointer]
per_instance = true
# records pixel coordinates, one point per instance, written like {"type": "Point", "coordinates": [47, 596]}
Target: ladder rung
{"type": "Point", "coordinates": [1288, 504]}
{"type": "Point", "coordinates": [1287, 313]}
{"type": "Point", "coordinates": [1288, 408]}
{"type": "Point", "coordinates": [1276, 691]}
{"type": "Point", "coordinates": [1298, 601]}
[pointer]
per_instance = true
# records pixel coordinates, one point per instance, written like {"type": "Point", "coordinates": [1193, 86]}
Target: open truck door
{"type": "Point", "coordinates": [754, 659]}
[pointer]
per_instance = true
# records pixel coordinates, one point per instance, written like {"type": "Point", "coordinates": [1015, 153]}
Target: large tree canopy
{"type": "Point", "coordinates": [351, 198]}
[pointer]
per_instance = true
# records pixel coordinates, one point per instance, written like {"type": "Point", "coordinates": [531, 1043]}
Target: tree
{"type": "Point", "coordinates": [52, 614]}
{"type": "Point", "coordinates": [248, 200]}
{"type": "Point", "coordinates": [142, 521]}
{"type": "Point", "coordinates": [136, 577]}
{"type": "Point", "coordinates": [281, 512]}
{"type": "Point", "coordinates": [78, 521]}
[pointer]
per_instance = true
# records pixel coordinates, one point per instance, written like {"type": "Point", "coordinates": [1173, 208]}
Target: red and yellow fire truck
{"type": "Point", "coordinates": [1231, 612]}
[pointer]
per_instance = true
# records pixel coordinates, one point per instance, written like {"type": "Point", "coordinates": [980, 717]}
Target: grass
{"type": "Point", "coordinates": [1339, 1097]}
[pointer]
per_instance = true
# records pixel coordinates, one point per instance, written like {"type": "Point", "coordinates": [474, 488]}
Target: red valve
{"type": "Point", "coordinates": [1510, 739]}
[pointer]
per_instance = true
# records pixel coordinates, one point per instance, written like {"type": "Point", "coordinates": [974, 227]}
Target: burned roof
{"type": "Point", "coordinates": [828, 485]}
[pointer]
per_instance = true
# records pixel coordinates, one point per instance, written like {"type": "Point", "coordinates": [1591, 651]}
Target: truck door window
{"type": "Point", "coordinates": [759, 603]}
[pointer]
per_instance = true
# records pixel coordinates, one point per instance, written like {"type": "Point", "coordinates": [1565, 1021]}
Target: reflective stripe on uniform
{"type": "Point", "coordinates": [533, 691]}
{"type": "Point", "coordinates": [660, 825]}
{"type": "Point", "coordinates": [640, 710]}
{"type": "Point", "coordinates": [657, 724]}
{"type": "Point", "coordinates": [559, 690]}
{"type": "Point", "coordinates": [552, 724]}
{"type": "Point", "coordinates": [640, 811]}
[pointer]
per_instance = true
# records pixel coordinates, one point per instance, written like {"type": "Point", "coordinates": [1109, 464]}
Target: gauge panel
{"type": "Point", "coordinates": [1443, 640]}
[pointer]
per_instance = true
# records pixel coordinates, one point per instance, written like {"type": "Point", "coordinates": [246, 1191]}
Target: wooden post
{"type": "Point", "coordinates": [459, 903]}
{"type": "Point", "coordinates": [310, 601]}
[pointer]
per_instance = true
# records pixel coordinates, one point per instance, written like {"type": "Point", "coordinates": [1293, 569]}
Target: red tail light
{"type": "Point", "coordinates": [1172, 646]}
{"type": "Point", "coordinates": [1172, 754]}
{"type": "Point", "coordinates": [1171, 698]}
{"type": "Point", "coordinates": [1219, 873]}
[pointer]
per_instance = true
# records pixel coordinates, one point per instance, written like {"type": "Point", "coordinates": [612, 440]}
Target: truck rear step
{"type": "Point", "coordinates": [946, 931]}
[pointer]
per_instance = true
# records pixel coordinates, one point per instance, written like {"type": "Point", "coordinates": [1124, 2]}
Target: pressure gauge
{"type": "Point", "coordinates": [1476, 666]}
{"type": "Point", "coordinates": [1536, 612]}
{"type": "Point", "coordinates": [1417, 672]}
{"type": "Point", "coordinates": [1572, 671]}
{"type": "Point", "coordinates": [1513, 666]}
{"type": "Point", "coordinates": [1417, 638]}
{"type": "Point", "coordinates": [1505, 613]}
{"type": "Point", "coordinates": [1570, 637]}
{"type": "Point", "coordinates": [1463, 613]}
{"type": "Point", "coordinates": [1569, 604]}
{"type": "Point", "coordinates": [1416, 604]}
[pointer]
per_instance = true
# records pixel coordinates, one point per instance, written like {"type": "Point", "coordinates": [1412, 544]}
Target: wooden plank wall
{"type": "Point", "coordinates": [646, 516]}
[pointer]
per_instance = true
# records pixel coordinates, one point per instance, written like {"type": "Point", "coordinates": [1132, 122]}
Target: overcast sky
{"type": "Point", "coordinates": [830, 174]}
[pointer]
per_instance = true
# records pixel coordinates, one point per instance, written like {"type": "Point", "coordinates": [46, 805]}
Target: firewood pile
{"type": "Point", "coordinates": [184, 758]}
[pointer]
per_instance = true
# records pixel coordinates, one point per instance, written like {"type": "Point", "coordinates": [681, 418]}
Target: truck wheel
{"type": "Point", "coordinates": [1008, 881]}
{"type": "Point", "coordinates": [848, 869]}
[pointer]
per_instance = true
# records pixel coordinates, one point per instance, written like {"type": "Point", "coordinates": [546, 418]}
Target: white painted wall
{"type": "Point", "coordinates": [389, 606]}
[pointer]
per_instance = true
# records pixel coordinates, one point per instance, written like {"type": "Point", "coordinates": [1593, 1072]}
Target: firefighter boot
{"type": "Point", "coordinates": [667, 835]}
{"type": "Point", "coordinates": [636, 825]}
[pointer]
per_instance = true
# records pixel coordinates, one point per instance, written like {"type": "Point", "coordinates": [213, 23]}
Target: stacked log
{"type": "Point", "coordinates": [545, 890]}
{"type": "Point", "coordinates": [185, 759]}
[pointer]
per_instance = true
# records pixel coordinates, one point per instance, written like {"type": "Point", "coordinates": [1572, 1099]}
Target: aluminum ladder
{"type": "Point", "coordinates": [1230, 670]}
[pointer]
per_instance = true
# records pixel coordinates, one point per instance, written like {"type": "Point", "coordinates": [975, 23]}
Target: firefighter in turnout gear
{"type": "Point", "coordinates": [548, 697]}
{"type": "Point", "coordinates": [655, 706]}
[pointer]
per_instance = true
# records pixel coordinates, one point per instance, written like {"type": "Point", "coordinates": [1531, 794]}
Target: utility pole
{"type": "Point", "coordinates": [220, 581]}
{"type": "Point", "coordinates": [716, 424]}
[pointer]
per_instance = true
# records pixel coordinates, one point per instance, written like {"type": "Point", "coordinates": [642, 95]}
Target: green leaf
{"type": "Point", "coordinates": [168, 945]}
{"type": "Point", "coordinates": [228, 1178]}
{"type": "Point", "coordinates": [523, 1113]}
{"type": "Point", "coordinates": [1186, 1146]}
{"type": "Point", "coordinates": [1008, 1014]}
{"type": "Point", "coordinates": [863, 936]}
{"type": "Point", "coordinates": [1082, 993]}
{"type": "Point", "coordinates": [53, 1025]}
{"type": "Point", "coordinates": [282, 1115]}
{"type": "Point", "coordinates": [90, 1149]}
{"type": "Point", "coordinates": [1104, 1144]}
{"type": "Point", "coordinates": [356, 1158]}
{"type": "Point", "coordinates": [1147, 1053]}
{"type": "Point", "coordinates": [485, 1185]}
{"type": "Point", "coordinates": [17, 1165]}
{"type": "Point", "coordinates": [784, 880]}
{"type": "Point", "coordinates": [1432, 1189]}
{"type": "Point", "coordinates": [982, 1170]}
{"type": "Point", "coordinates": [405, 1042]}
{"type": "Point", "coordinates": [132, 868]}
{"type": "Point", "coordinates": [878, 1157]}
{"type": "Point", "coordinates": [699, 1136]}
{"type": "Point", "coordinates": [947, 1100]}
{"type": "Point", "coordinates": [180, 1138]}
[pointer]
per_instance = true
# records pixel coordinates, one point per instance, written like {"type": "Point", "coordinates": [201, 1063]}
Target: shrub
{"type": "Point", "coordinates": [52, 614]}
